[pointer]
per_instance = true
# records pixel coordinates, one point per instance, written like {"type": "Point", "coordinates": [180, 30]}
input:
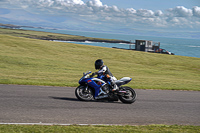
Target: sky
{"type": "Point", "coordinates": [142, 17]}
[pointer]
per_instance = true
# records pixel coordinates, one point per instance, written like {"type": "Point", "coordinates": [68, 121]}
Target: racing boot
{"type": "Point", "coordinates": [115, 87]}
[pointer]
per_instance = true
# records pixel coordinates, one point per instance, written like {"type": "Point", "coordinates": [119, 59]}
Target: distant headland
{"type": "Point", "coordinates": [61, 37]}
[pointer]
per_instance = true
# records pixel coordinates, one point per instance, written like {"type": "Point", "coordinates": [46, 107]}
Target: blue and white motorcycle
{"type": "Point", "coordinates": [96, 88]}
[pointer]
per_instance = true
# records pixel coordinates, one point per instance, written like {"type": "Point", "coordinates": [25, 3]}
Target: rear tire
{"type": "Point", "coordinates": [130, 95]}
{"type": "Point", "coordinates": [84, 93]}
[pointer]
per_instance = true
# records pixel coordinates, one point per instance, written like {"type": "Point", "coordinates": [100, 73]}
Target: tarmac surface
{"type": "Point", "coordinates": [59, 105]}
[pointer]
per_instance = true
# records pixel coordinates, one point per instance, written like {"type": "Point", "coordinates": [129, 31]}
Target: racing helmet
{"type": "Point", "coordinates": [98, 63]}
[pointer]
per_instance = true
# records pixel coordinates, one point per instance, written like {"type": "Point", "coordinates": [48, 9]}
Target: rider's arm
{"type": "Point", "coordinates": [108, 76]}
{"type": "Point", "coordinates": [103, 70]}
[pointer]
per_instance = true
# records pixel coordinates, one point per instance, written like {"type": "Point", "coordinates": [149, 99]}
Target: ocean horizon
{"type": "Point", "coordinates": [179, 46]}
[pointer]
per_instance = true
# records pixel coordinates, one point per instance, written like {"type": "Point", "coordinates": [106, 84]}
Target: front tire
{"type": "Point", "coordinates": [84, 93]}
{"type": "Point", "coordinates": [129, 96]}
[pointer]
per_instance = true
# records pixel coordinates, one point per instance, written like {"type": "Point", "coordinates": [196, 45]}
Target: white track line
{"type": "Point", "coordinates": [49, 124]}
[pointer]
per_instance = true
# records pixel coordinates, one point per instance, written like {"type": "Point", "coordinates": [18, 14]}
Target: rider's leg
{"type": "Point", "coordinates": [115, 87]}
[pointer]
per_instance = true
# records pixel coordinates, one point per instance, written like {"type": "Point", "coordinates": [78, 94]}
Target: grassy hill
{"type": "Point", "coordinates": [41, 62]}
{"type": "Point", "coordinates": [54, 36]}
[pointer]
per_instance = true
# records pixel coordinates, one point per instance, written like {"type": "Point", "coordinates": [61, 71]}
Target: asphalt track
{"type": "Point", "coordinates": [58, 105]}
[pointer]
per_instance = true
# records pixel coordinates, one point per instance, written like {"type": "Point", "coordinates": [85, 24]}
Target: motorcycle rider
{"type": "Point", "coordinates": [104, 70]}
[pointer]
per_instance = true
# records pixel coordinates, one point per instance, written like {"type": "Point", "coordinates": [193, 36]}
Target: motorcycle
{"type": "Point", "coordinates": [98, 88]}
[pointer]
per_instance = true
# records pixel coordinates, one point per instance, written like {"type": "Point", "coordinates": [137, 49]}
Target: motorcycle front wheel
{"type": "Point", "coordinates": [129, 96]}
{"type": "Point", "coordinates": [84, 93]}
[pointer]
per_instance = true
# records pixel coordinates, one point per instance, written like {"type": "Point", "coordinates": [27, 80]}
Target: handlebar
{"type": "Point", "coordinates": [88, 72]}
{"type": "Point", "coordinates": [93, 74]}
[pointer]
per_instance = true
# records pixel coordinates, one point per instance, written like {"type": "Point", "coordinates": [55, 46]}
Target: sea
{"type": "Point", "coordinates": [178, 46]}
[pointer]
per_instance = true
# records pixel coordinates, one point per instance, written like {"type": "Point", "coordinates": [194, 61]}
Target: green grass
{"type": "Point", "coordinates": [98, 129]}
{"type": "Point", "coordinates": [39, 62]}
{"type": "Point", "coordinates": [48, 36]}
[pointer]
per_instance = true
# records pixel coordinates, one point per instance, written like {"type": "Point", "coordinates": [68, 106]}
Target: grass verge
{"type": "Point", "coordinates": [98, 129]}
{"type": "Point", "coordinates": [40, 62]}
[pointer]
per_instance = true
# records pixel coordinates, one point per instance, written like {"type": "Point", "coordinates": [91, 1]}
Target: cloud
{"type": "Point", "coordinates": [131, 10]}
{"type": "Point", "coordinates": [196, 11]}
{"type": "Point", "coordinates": [97, 3]}
{"type": "Point", "coordinates": [96, 12]}
{"type": "Point", "coordinates": [158, 13]}
{"type": "Point", "coordinates": [145, 13]}
{"type": "Point", "coordinates": [59, 2]}
{"type": "Point", "coordinates": [180, 11]}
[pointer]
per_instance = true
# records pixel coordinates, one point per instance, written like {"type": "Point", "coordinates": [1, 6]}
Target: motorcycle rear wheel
{"type": "Point", "coordinates": [84, 93]}
{"type": "Point", "coordinates": [129, 96]}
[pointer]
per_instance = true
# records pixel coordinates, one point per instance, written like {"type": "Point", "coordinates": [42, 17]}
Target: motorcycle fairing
{"type": "Point", "coordinates": [92, 82]}
{"type": "Point", "coordinates": [123, 81]}
{"type": "Point", "coordinates": [98, 90]}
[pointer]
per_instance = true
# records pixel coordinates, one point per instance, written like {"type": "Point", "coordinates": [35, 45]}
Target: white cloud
{"type": "Point", "coordinates": [95, 11]}
{"type": "Point", "coordinates": [158, 13]}
{"type": "Point", "coordinates": [131, 11]}
{"type": "Point", "coordinates": [145, 13]}
{"type": "Point", "coordinates": [180, 11]}
{"type": "Point", "coordinates": [97, 3]}
{"type": "Point", "coordinates": [196, 11]}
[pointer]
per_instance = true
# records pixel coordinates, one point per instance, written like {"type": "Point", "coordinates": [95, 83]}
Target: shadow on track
{"type": "Point", "coordinates": [74, 99]}
{"type": "Point", "coordinates": [64, 98]}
